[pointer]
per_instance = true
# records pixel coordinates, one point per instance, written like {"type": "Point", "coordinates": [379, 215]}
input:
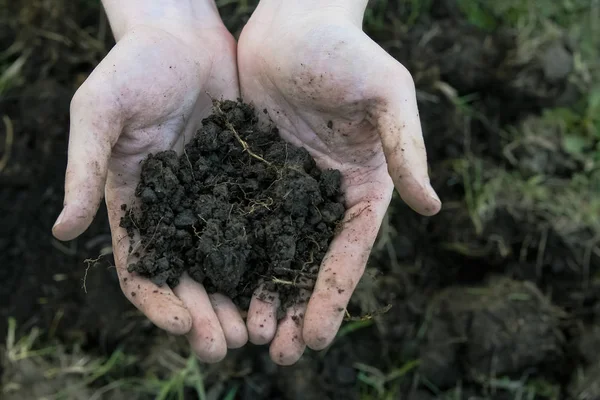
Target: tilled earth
{"type": "Point", "coordinates": [502, 309]}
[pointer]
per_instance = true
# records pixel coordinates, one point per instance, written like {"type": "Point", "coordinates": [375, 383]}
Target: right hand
{"type": "Point", "coordinates": [150, 94]}
{"type": "Point", "coordinates": [332, 90]}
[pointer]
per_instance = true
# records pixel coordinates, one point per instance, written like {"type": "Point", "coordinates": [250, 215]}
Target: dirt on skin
{"type": "Point", "coordinates": [440, 293]}
{"type": "Point", "coordinates": [240, 207]}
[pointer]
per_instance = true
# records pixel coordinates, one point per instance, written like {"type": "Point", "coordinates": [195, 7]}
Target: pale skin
{"type": "Point", "coordinates": [325, 84]}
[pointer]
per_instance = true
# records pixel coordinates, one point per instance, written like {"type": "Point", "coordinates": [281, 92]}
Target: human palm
{"type": "Point", "coordinates": [332, 90]}
{"type": "Point", "coordinates": [149, 94]}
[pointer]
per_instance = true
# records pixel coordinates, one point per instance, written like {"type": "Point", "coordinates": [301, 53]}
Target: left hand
{"type": "Point", "coordinates": [150, 94]}
{"type": "Point", "coordinates": [329, 88]}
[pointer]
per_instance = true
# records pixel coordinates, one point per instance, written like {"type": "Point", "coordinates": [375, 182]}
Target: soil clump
{"type": "Point", "coordinates": [240, 207]}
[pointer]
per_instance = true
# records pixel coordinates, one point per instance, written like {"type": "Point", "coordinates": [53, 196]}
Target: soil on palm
{"type": "Point", "coordinates": [240, 207]}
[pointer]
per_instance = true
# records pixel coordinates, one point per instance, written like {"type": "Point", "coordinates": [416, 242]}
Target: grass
{"type": "Point", "coordinates": [530, 15]}
{"type": "Point", "coordinates": [173, 387]}
{"type": "Point", "coordinates": [568, 135]}
{"type": "Point", "coordinates": [373, 384]}
{"type": "Point", "coordinates": [570, 205]}
{"type": "Point", "coordinates": [54, 371]}
{"type": "Point", "coordinates": [506, 388]}
{"type": "Point", "coordinates": [10, 74]}
{"type": "Point", "coordinates": [521, 389]}
{"type": "Point", "coordinates": [539, 23]}
{"type": "Point", "coordinates": [579, 127]}
{"type": "Point", "coordinates": [565, 137]}
{"type": "Point", "coordinates": [378, 12]}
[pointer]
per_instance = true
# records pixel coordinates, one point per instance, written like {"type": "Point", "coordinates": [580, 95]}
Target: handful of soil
{"type": "Point", "coordinates": [240, 207]}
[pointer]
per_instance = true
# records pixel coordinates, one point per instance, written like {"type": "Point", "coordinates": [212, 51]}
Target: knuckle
{"type": "Point", "coordinates": [210, 351]}
{"type": "Point", "coordinates": [316, 339]}
{"type": "Point", "coordinates": [180, 325]}
{"type": "Point", "coordinates": [80, 98]}
{"type": "Point", "coordinates": [319, 334]}
{"type": "Point", "coordinates": [259, 337]}
{"type": "Point", "coordinates": [318, 342]}
{"type": "Point", "coordinates": [237, 337]}
{"type": "Point", "coordinates": [237, 342]}
{"type": "Point", "coordinates": [215, 301]}
{"type": "Point", "coordinates": [284, 356]}
{"type": "Point", "coordinates": [212, 357]}
{"type": "Point", "coordinates": [218, 354]}
{"type": "Point", "coordinates": [404, 75]}
{"type": "Point", "coordinates": [95, 95]}
{"type": "Point", "coordinates": [348, 283]}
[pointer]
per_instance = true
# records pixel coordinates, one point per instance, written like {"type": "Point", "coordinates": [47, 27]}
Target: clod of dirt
{"type": "Point", "coordinates": [240, 207]}
{"type": "Point", "coordinates": [298, 382]}
{"type": "Point", "coordinates": [588, 345]}
{"type": "Point", "coordinates": [557, 62]}
{"type": "Point", "coordinates": [502, 328]}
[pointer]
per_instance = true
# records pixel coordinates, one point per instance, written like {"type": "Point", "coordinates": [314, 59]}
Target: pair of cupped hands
{"type": "Point", "coordinates": [327, 87]}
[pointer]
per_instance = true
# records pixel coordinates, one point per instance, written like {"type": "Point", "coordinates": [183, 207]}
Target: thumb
{"type": "Point", "coordinates": [397, 119]}
{"type": "Point", "coordinates": [94, 129]}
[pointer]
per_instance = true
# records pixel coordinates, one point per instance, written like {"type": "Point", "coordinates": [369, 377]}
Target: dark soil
{"type": "Point", "coordinates": [238, 208]}
{"type": "Point", "coordinates": [509, 311]}
{"type": "Point", "coordinates": [474, 330]}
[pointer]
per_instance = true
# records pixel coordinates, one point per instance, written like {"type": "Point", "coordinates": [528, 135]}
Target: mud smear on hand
{"type": "Point", "coordinates": [240, 207]}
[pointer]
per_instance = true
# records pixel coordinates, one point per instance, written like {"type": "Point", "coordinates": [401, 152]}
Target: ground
{"type": "Point", "coordinates": [497, 297]}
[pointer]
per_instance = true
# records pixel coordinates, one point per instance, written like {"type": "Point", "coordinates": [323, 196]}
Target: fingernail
{"type": "Point", "coordinates": [59, 219]}
{"type": "Point", "coordinates": [433, 194]}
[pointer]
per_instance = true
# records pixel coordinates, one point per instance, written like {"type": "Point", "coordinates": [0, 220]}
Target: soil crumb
{"type": "Point", "coordinates": [240, 207]}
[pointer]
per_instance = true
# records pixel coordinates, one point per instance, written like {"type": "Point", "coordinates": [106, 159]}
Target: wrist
{"type": "Point", "coordinates": [352, 10]}
{"type": "Point", "coordinates": [179, 17]}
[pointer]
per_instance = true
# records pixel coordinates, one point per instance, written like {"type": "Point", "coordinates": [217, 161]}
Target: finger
{"type": "Point", "coordinates": [340, 272]}
{"type": "Point", "coordinates": [206, 336]}
{"type": "Point", "coordinates": [234, 329]}
{"type": "Point", "coordinates": [397, 119]}
{"type": "Point", "coordinates": [288, 345]}
{"type": "Point", "coordinates": [159, 304]}
{"type": "Point", "coordinates": [95, 127]}
{"type": "Point", "coordinates": [262, 316]}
